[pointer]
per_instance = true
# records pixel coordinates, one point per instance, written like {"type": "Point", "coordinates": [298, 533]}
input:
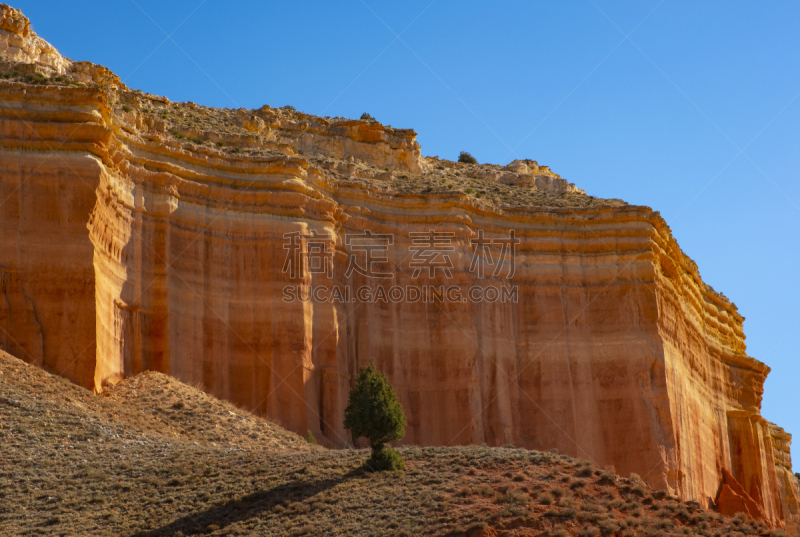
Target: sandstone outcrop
{"type": "Point", "coordinates": [733, 499]}
{"type": "Point", "coordinates": [19, 43]}
{"type": "Point", "coordinates": [142, 234]}
{"type": "Point", "coordinates": [788, 483]}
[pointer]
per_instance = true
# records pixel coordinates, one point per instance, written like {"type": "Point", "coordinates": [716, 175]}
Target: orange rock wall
{"type": "Point", "coordinates": [121, 254]}
{"type": "Point", "coordinates": [787, 481]}
{"type": "Point", "coordinates": [47, 190]}
{"type": "Point", "coordinates": [715, 389]}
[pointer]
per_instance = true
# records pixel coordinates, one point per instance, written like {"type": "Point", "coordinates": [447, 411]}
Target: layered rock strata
{"type": "Point", "coordinates": [788, 483]}
{"type": "Point", "coordinates": [211, 244]}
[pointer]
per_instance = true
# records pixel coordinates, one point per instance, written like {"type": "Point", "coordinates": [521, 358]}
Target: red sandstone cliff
{"type": "Point", "coordinates": [142, 234]}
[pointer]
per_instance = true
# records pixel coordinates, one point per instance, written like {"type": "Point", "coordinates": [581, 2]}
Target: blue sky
{"type": "Point", "coordinates": [692, 108]}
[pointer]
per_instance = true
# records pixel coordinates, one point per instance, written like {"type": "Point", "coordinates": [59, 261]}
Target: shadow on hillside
{"type": "Point", "coordinates": [248, 506]}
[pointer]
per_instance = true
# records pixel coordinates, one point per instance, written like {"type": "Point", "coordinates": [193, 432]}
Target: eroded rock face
{"type": "Point", "coordinates": [787, 482]}
{"type": "Point", "coordinates": [21, 44]}
{"type": "Point", "coordinates": [142, 234]}
{"type": "Point", "coordinates": [733, 499]}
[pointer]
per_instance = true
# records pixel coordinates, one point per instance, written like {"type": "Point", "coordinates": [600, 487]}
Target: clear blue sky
{"type": "Point", "coordinates": [695, 114]}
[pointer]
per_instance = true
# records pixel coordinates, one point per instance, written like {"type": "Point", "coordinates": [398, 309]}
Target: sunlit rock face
{"type": "Point", "coordinates": [18, 43]}
{"type": "Point", "coordinates": [266, 255]}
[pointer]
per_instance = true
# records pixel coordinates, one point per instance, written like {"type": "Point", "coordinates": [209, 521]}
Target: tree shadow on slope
{"type": "Point", "coordinates": [249, 506]}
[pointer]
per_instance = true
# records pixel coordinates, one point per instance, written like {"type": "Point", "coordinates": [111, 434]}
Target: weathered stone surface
{"type": "Point", "coordinates": [787, 481]}
{"type": "Point", "coordinates": [21, 44]}
{"type": "Point", "coordinates": [733, 499]}
{"type": "Point", "coordinates": [138, 234]}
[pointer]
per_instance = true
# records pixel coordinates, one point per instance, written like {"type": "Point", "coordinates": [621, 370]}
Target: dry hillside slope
{"type": "Point", "coordinates": [149, 459]}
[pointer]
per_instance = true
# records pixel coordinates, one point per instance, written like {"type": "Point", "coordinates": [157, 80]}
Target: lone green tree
{"type": "Point", "coordinates": [374, 412]}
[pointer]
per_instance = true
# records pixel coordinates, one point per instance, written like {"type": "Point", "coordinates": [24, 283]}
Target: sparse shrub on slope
{"type": "Point", "coordinates": [366, 117]}
{"type": "Point", "coordinates": [466, 158]}
{"type": "Point", "coordinates": [374, 412]}
{"type": "Point", "coordinates": [310, 437]}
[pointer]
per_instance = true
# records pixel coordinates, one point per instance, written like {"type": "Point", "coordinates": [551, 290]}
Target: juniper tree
{"type": "Point", "coordinates": [374, 412]}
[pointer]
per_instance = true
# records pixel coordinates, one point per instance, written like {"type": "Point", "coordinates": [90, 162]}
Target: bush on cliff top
{"type": "Point", "coordinates": [466, 158]}
{"type": "Point", "coordinates": [374, 412]}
